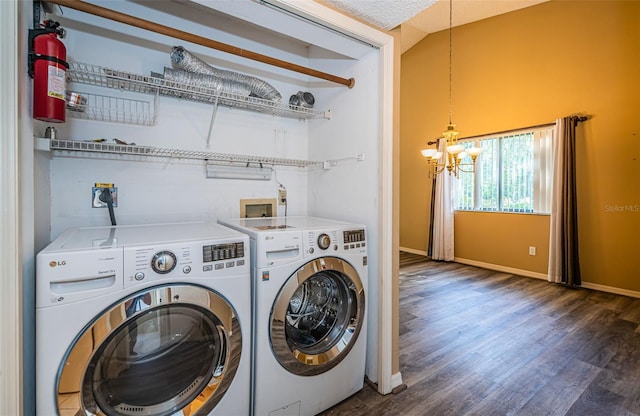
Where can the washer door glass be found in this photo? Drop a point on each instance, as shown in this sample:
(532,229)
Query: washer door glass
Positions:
(317,316)
(164,351)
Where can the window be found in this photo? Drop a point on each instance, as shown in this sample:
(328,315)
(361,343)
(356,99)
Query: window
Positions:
(513,173)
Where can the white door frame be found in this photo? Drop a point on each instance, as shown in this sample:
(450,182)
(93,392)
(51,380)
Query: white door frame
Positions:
(10,241)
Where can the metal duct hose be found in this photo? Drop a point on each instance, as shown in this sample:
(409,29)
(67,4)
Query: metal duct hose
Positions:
(185,60)
(210,82)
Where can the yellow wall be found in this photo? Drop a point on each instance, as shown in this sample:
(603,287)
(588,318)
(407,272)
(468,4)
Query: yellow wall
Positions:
(525,68)
(503,239)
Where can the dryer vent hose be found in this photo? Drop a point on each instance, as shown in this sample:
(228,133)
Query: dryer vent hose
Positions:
(185,60)
(204,81)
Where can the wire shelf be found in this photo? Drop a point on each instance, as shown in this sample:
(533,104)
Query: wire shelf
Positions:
(111,78)
(125,149)
(97,107)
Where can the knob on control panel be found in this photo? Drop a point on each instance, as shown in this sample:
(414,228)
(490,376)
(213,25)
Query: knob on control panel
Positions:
(324,241)
(163,262)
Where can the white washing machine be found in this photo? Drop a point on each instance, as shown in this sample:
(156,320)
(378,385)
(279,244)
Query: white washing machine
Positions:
(144,320)
(309,287)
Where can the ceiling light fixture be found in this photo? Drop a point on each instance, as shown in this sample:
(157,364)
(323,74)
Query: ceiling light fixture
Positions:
(454,153)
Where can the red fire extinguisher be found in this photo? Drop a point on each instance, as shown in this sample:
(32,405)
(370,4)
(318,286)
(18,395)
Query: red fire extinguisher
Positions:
(47,67)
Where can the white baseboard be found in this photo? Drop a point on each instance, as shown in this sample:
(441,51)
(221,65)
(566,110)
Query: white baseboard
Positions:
(610,289)
(499,268)
(396,380)
(413,251)
(543,276)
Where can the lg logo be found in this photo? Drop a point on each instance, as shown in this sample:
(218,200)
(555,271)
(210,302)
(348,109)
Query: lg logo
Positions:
(57,263)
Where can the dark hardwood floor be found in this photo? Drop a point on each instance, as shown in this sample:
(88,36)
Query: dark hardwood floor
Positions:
(479,342)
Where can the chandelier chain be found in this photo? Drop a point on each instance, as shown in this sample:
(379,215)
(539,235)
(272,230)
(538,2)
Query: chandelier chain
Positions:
(450,61)
(453,152)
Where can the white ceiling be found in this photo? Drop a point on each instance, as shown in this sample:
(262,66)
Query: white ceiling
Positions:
(418,18)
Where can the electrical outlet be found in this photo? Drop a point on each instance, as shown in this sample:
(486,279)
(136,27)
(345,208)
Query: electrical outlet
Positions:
(98,199)
(282,196)
(532,251)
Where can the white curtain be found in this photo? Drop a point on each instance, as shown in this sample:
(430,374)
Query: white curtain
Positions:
(555,272)
(443,214)
(564,263)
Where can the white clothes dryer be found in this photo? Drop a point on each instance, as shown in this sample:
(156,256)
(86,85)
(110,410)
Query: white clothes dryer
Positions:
(144,320)
(309,336)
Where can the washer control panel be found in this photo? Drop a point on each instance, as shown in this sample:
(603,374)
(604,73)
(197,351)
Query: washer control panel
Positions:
(324,241)
(185,260)
(163,262)
(333,241)
(354,239)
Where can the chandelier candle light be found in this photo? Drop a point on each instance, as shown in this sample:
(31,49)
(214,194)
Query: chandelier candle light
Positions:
(455,153)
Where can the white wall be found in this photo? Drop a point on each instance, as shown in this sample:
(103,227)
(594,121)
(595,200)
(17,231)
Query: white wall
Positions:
(349,191)
(161,190)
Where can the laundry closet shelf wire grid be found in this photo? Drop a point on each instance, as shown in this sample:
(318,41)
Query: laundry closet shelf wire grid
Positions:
(113,109)
(125,149)
(96,75)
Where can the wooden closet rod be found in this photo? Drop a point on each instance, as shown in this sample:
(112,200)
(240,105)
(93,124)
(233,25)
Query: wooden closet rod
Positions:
(189,37)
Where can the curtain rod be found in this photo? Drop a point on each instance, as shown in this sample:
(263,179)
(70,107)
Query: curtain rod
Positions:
(189,37)
(577,119)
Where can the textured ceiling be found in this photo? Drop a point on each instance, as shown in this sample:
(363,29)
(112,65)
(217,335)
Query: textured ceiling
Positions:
(418,18)
(385,14)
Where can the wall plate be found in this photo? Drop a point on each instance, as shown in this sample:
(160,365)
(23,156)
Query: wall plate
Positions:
(282,196)
(96,193)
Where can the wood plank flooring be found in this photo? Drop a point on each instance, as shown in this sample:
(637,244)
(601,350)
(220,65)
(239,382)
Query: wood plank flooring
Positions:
(479,342)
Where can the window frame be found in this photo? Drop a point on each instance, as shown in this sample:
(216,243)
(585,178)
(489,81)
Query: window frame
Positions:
(542,160)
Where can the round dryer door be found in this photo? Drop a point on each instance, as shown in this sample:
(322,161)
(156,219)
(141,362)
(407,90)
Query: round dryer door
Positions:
(317,316)
(160,351)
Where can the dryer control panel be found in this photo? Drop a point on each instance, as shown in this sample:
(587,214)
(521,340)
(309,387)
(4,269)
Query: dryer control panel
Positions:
(228,251)
(185,260)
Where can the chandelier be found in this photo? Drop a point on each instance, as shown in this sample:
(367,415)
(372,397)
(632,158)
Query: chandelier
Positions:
(455,154)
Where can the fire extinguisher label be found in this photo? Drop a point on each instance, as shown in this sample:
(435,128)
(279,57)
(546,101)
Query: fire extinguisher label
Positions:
(56,84)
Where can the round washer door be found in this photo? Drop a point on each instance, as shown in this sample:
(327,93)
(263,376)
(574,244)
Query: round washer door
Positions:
(317,316)
(156,352)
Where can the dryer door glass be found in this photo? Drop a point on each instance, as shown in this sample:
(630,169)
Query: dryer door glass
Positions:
(170,349)
(159,361)
(317,316)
